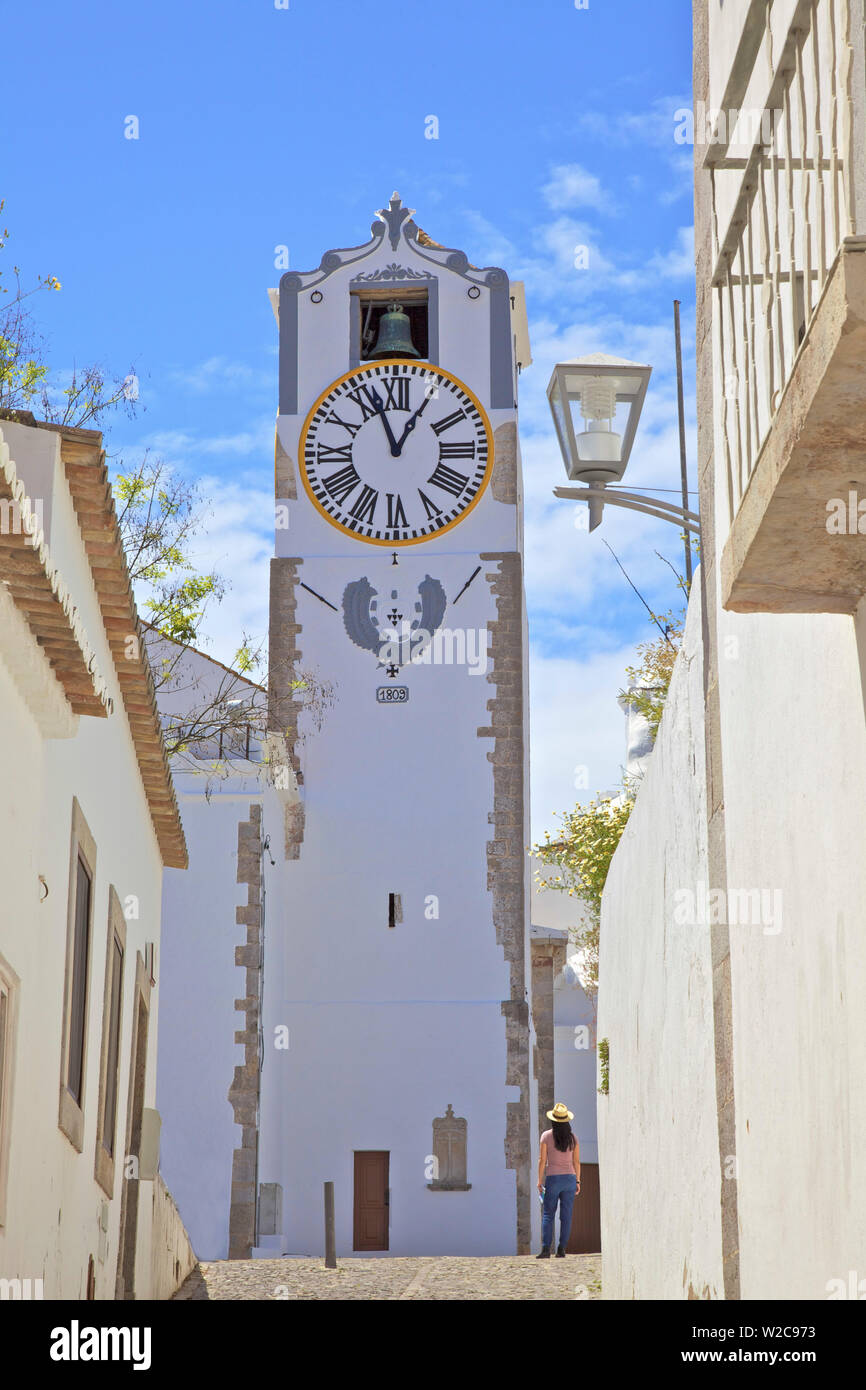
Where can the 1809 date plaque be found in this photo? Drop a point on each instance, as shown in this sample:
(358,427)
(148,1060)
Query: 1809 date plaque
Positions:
(392,694)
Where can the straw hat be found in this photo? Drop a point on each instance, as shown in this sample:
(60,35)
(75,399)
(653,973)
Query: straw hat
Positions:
(560,1112)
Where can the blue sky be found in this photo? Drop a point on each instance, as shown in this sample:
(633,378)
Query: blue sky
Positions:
(261,127)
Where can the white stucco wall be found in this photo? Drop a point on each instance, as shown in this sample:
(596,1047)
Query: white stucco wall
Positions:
(389,1026)
(658,1146)
(794,766)
(54,1205)
(197,1051)
(200,980)
(794,749)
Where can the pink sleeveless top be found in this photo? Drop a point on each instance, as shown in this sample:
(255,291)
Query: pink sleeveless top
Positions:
(557,1162)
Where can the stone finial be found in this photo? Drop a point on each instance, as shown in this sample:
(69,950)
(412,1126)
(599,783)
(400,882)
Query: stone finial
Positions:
(394,216)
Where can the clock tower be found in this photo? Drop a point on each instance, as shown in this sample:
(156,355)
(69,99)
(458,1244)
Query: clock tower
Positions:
(395,1015)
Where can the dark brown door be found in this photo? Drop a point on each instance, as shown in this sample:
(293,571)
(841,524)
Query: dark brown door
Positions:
(585,1237)
(371,1200)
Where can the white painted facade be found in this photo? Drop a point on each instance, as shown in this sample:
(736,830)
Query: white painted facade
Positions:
(201,981)
(658,1145)
(732,1134)
(55,1216)
(800,1038)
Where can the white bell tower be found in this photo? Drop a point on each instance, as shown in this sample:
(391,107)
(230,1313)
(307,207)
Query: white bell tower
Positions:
(396,957)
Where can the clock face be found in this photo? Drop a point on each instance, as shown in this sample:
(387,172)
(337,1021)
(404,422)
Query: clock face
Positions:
(396,452)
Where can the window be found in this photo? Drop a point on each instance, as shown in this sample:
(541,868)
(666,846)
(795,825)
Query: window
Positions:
(8,1005)
(80,950)
(113,1042)
(109,1070)
(73,1062)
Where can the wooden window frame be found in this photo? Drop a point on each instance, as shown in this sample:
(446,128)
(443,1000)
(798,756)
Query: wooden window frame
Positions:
(105,1160)
(9,985)
(70,1117)
(139,1051)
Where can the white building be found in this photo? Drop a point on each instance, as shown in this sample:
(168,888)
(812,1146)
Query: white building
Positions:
(88,818)
(402,974)
(382,1035)
(733,949)
(235,790)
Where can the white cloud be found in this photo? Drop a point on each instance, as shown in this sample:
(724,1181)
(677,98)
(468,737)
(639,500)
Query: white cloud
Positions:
(572,186)
(218,373)
(577,731)
(655,125)
(679,262)
(177,445)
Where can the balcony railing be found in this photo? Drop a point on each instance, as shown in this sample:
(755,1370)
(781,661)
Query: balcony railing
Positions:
(238,743)
(780,214)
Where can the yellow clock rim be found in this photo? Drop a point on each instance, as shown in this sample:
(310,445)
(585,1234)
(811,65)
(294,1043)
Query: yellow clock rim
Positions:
(387,362)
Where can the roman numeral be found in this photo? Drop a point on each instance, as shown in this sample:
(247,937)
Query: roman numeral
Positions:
(448,479)
(396,393)
(440,426)
(333,419)
(396,514)
(464,450)
(362,401)
(331,453)
(340,484)
(429,508)
(366,505)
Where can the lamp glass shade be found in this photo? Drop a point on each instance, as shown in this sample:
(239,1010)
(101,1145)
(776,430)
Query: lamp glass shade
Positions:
(587,396)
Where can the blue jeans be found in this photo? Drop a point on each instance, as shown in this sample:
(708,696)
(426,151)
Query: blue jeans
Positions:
(561,1188)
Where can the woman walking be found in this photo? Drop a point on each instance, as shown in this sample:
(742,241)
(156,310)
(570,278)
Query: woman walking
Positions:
(560,1158)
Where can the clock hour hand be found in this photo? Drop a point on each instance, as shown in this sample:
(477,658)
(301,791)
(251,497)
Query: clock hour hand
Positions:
(411,423)
(379,407)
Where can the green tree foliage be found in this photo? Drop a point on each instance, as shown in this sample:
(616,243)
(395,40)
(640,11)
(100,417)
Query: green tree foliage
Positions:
(581,853)
(650,679)
(582,850)
(160,515)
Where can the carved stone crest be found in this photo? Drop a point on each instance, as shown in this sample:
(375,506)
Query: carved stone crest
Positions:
(449,1151)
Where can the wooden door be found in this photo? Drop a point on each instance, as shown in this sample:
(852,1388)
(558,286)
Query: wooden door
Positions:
(585,1237)
(371,1200)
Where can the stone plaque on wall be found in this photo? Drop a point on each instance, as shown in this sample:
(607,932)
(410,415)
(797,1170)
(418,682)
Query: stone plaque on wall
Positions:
(449,1151)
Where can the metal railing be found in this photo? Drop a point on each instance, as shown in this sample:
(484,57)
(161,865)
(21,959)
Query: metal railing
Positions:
(242,742)
(786,218)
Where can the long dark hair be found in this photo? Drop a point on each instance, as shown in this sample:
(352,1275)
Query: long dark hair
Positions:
(562,1135)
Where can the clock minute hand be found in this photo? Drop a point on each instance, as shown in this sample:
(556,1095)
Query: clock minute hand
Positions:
(378,405)
(411,423)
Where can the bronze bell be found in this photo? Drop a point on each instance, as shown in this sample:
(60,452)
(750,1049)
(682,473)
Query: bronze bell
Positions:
(395,337)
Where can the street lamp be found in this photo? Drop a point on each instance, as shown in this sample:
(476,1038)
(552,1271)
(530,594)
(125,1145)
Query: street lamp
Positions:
(594,387)
(586,396)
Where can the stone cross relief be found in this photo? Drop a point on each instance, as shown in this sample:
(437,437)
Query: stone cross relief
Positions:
(449,1148)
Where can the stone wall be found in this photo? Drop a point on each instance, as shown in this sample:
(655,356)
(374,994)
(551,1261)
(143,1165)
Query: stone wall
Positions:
(283,656)
(244,1090)
(506,860)
(544,971)
(172,1256)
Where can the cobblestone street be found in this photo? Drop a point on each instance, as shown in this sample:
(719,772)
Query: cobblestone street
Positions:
(441,1278)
